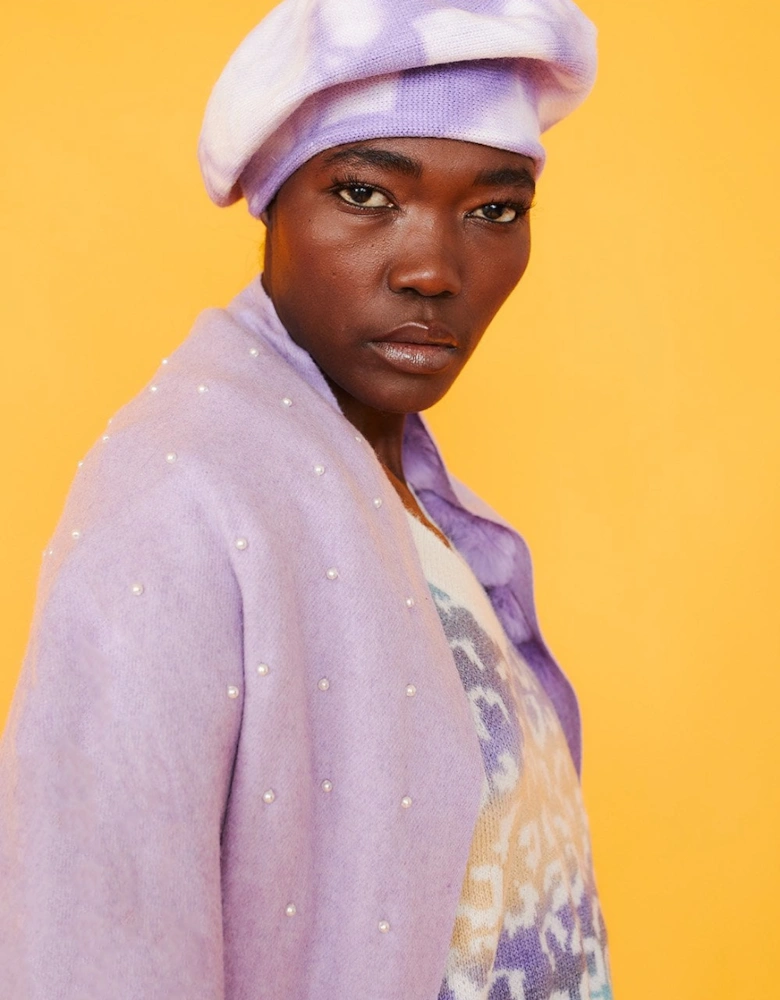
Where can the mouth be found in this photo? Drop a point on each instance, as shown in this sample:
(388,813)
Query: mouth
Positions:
(418,348)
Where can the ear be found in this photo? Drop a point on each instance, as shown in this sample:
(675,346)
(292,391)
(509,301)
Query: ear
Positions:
(266,216)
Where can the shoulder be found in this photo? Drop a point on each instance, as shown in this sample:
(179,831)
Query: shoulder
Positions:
(216,439)
(190,423)
(155,471)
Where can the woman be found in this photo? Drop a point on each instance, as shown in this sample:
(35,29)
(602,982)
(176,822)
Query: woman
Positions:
(287,726)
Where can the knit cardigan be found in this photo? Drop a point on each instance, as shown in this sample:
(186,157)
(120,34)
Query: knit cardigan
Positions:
(235,673)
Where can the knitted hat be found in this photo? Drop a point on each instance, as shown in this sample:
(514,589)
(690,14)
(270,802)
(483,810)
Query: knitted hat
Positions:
(319,73)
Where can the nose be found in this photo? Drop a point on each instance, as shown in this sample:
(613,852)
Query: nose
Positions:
(426,261)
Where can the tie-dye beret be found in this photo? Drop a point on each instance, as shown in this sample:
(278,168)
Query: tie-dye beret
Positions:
(318,73)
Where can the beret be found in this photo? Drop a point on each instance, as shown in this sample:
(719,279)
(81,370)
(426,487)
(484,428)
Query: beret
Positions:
(317,73)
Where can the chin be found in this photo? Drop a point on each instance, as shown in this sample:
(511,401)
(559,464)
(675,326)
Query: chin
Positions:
(388,392)
(411,400)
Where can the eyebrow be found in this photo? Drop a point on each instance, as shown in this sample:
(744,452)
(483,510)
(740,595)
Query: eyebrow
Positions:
(375,157)
(506,177)
(387,159)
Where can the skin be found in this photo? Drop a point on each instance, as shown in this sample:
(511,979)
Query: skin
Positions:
(373,235)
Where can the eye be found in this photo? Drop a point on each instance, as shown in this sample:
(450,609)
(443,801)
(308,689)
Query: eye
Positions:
(364,196)
(499,212)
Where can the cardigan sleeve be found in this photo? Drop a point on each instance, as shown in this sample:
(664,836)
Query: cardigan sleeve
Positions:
(116,761)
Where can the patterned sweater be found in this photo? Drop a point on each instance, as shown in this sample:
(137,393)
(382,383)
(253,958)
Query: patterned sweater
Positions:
(529,925)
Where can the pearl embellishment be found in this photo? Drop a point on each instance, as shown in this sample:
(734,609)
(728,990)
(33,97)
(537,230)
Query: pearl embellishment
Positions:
(377,502)
(287,401)
(358,437)
(232,691)
(332,574)
(410,602)
(75,534)
(406,801)
(202,389)
(290,910)
(263,669)
(81,463)
(241,543)
(323,684)
(319,470)
(269,796)
(137,589)
(384,926)
(327,786)
(254,351)
(106,437)
(165,361)
(171,456)
(152,388)
(411,690)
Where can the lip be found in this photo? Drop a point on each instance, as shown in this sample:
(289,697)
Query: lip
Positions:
(415,332)
(418,359)
(417,348)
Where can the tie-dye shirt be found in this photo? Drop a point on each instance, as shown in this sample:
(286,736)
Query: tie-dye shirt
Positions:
(528,925)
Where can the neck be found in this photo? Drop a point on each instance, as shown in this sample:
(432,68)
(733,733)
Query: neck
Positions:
(383,431)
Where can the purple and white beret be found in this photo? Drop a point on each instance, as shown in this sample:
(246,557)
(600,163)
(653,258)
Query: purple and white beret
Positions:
(318,73)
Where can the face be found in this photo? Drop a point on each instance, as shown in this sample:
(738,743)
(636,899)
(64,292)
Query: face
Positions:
(387,259)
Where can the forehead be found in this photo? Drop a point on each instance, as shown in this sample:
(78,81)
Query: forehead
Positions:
(418,158)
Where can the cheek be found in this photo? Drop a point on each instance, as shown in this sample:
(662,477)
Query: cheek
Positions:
(325,264)
(495,270)
(324,279)
(329,271)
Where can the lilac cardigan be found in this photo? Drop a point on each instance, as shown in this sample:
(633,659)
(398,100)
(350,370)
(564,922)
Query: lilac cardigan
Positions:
(234,675)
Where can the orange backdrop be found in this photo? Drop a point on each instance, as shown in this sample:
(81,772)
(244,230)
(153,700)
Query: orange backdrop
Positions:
(622,411)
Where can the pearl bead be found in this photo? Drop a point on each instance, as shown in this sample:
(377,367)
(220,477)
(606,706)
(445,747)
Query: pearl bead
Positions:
(384,926)
(269,796)
(358,437)
(263,669)
(410,602)
(81,463)
(110,419)
(202,389)
(327,786)
(137,589)
(290,910)
(411,690)
(165,361)
(51,553)
(254,351)
(75,534)
(171,457)
(152,388)
(377,502)
(106,437)
(287,401)
(406,801)
(241,543)
(319,470)
(232,691)
(332,574)
(323,684)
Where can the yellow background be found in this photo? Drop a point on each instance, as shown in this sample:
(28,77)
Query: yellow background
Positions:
(622,411)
